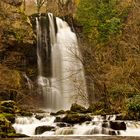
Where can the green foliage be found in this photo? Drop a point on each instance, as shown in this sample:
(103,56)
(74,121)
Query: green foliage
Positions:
(133,107)
(133,104)
(101,19)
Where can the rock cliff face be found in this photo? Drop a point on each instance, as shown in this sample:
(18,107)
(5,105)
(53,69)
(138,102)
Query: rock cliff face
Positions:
(17,50)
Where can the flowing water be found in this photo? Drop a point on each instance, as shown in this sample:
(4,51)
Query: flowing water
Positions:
(59,56)
(99,126)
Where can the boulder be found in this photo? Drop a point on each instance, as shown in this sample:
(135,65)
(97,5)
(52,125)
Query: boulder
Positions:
(39,117)
(105,124)
(5,127)
(8,107)
(117,125)
(10,117)
(62,124)
(8,95)
(78,108)
(25,113)
(41,129)
(10,104)
(60,112)
(58,119)
(76,118)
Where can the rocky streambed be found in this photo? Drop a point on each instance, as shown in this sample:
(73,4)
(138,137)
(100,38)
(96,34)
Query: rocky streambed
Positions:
(75,125)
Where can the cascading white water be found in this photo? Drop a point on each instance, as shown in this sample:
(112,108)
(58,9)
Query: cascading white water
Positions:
(72,75)
(29,82)
(67,82)
(28,125)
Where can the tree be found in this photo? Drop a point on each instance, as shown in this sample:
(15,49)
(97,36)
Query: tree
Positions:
(39,4)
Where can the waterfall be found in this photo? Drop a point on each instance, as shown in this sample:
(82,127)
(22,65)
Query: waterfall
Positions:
(29,82)
(65,82)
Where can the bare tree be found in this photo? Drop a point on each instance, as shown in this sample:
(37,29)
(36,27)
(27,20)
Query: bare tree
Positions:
(39,4)
(24,5)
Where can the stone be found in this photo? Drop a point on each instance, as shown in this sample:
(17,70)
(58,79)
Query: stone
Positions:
(41,129)
(77,108)
(9,103)
(5,127)
(105,124)
(117,125)
(58,119)
(62,124)
(76,118)
(10,117)
(25,113)
(39,117)
(8,107)
(60,112)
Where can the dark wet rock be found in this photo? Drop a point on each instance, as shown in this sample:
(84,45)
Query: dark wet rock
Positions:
(105,124)
(76,118)
(39,117)
(112,132)
(119,117)
(10,104)
(5,127)
(70,112)
(78,108)
(8,107)
(88,122)
(60,112)
(62,124)
(8,95)
(42,129)
(10,117)
(17,135)
(25,113)
(58,119)
(118,125)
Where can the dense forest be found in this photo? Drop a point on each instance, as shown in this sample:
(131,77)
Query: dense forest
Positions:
(108,33)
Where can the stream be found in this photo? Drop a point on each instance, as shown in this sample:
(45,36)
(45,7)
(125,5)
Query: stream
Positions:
(47,125)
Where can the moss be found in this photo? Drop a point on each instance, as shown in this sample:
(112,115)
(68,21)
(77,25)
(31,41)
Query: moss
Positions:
(25,113)
(76,118)
(8,107)
(5,126)
(60,112)
(77,108)
(10,117)
(10,104)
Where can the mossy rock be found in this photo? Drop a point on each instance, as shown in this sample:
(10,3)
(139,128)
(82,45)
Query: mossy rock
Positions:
(78,108)
(8,107)
(39,117)
(60,112)
(76,118)
(95,106)
(8,103)
(25,113)
(10,117)
(42,129)
(5,127)
(7,110)
(12,135)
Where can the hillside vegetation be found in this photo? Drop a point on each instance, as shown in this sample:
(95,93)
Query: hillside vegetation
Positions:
(109,38)
(112,56)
